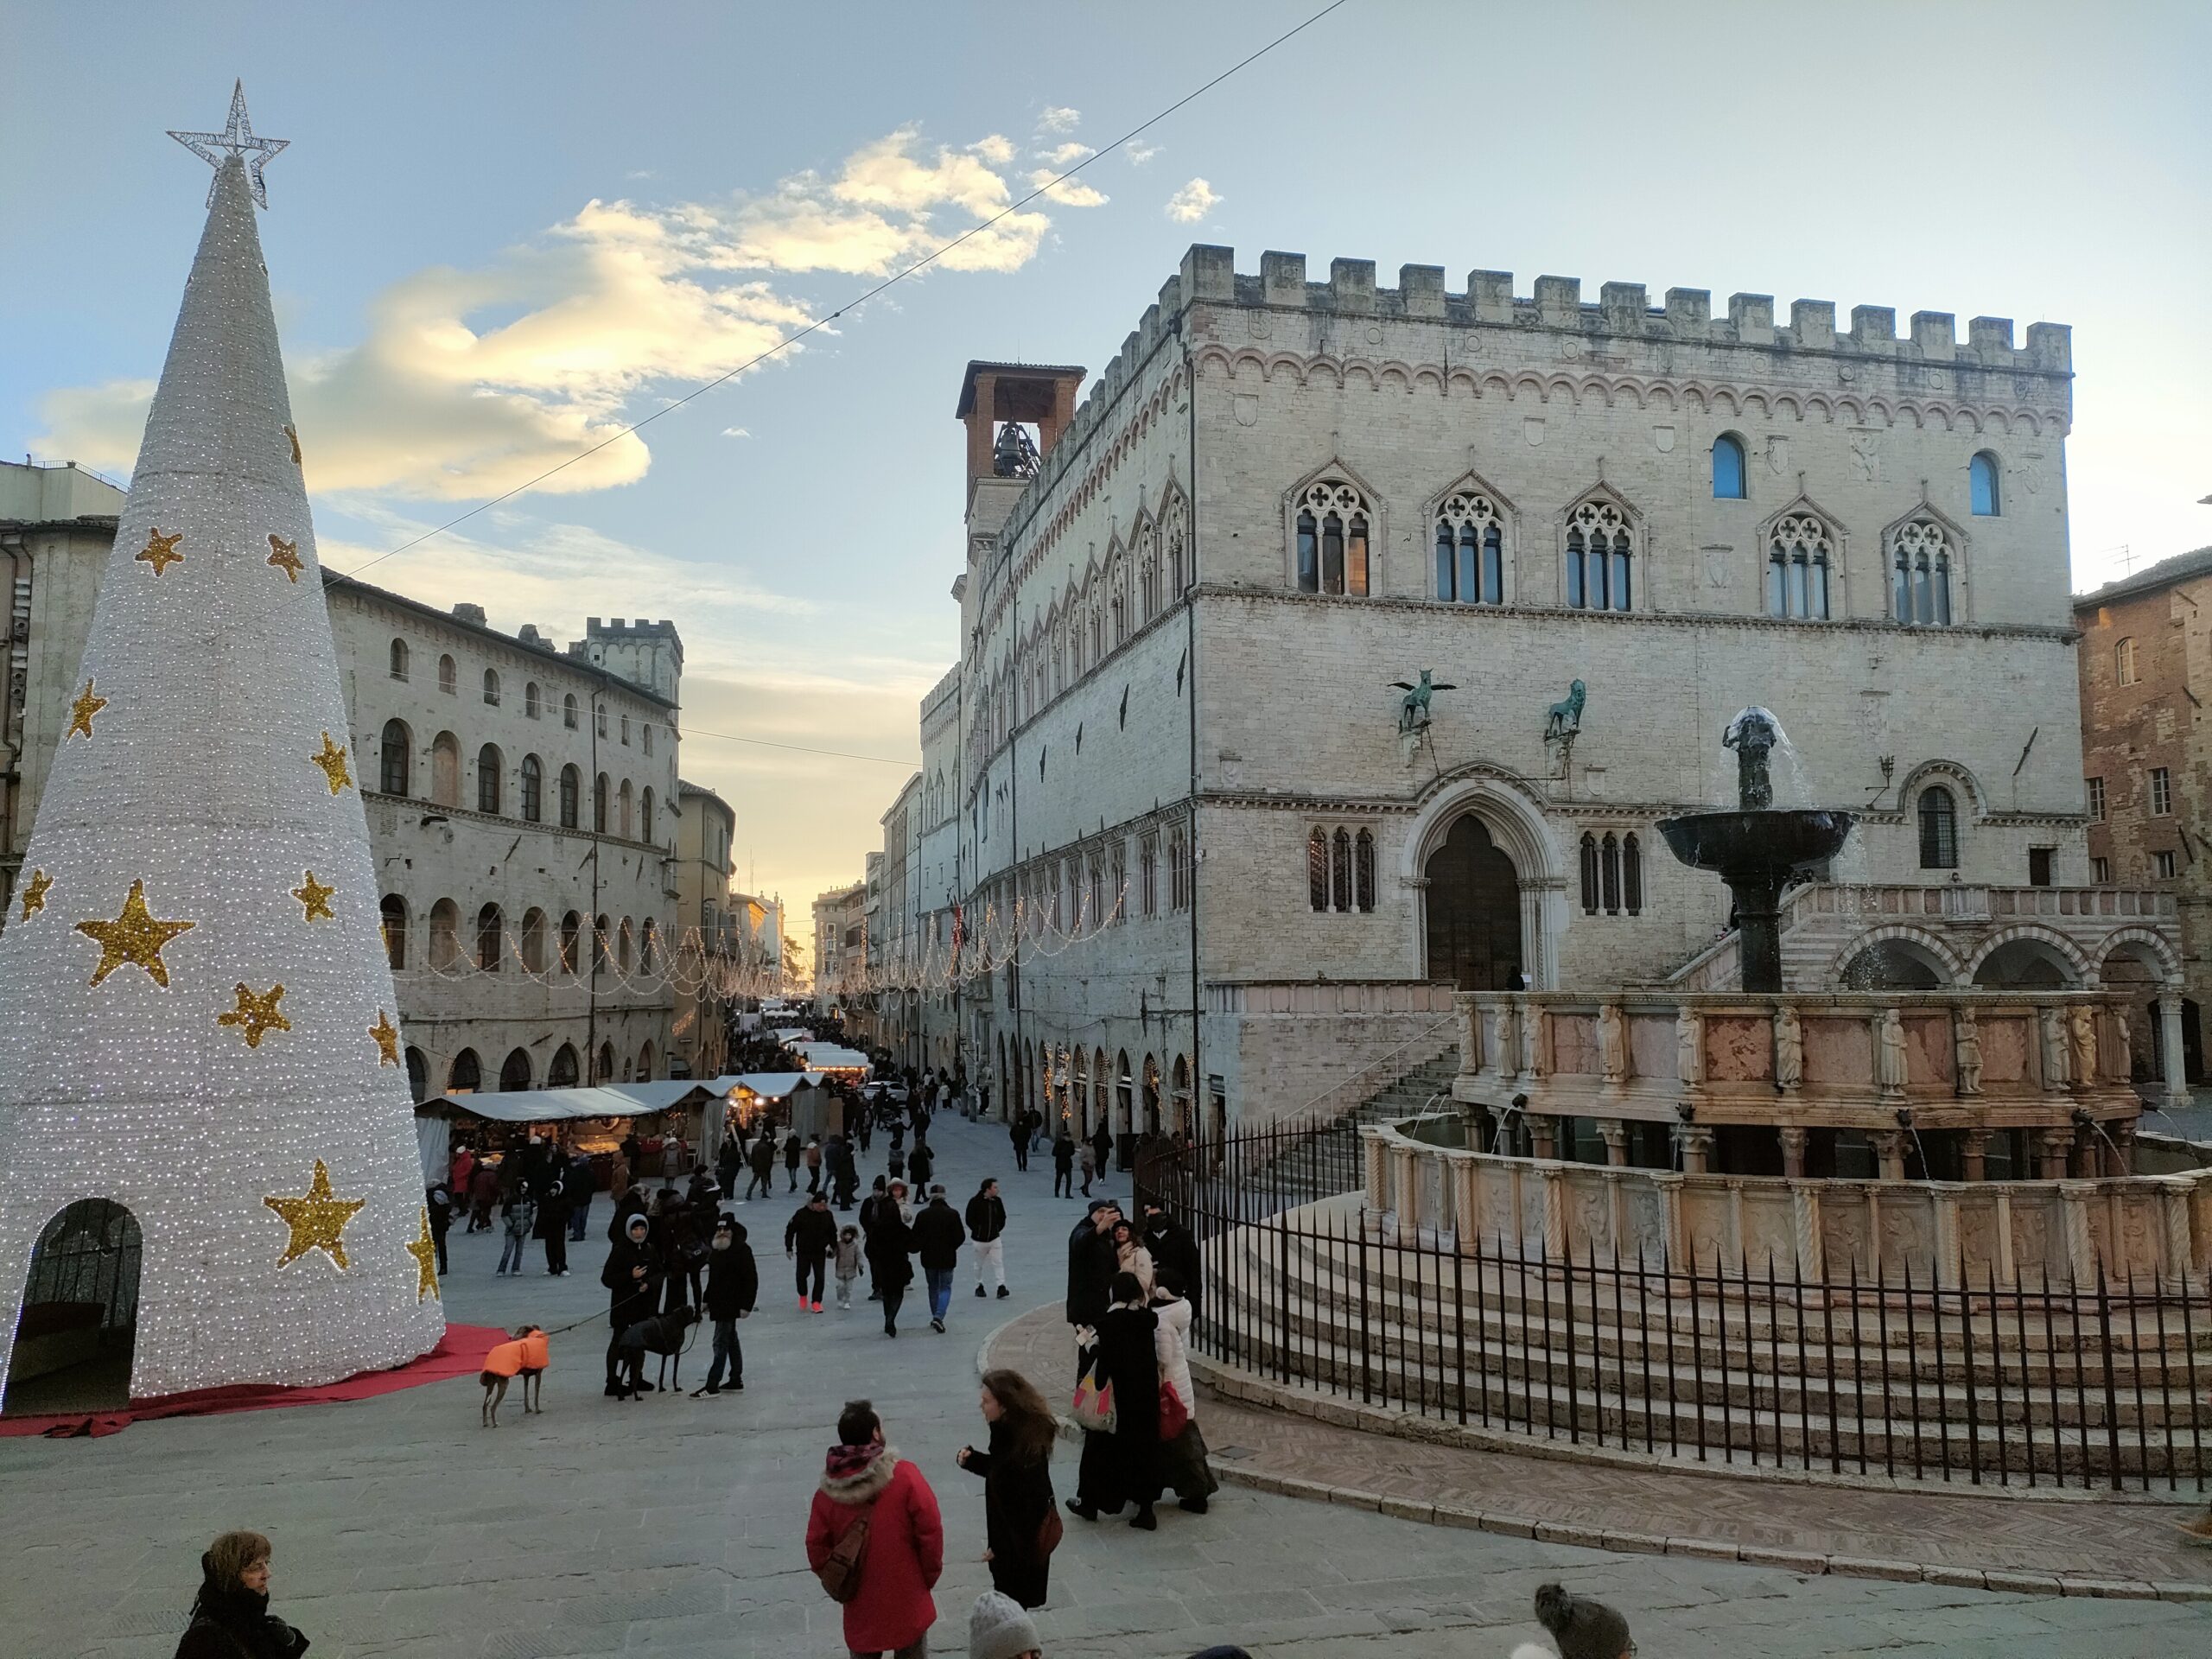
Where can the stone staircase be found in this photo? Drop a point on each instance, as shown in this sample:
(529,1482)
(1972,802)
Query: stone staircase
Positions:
(1838,1382)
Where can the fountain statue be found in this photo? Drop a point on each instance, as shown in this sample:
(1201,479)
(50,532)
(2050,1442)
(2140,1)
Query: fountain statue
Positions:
(1758,848)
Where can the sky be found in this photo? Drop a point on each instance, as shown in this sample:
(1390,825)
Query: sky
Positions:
(503,234)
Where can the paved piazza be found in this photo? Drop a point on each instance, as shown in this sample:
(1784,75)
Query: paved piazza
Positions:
(673,1527)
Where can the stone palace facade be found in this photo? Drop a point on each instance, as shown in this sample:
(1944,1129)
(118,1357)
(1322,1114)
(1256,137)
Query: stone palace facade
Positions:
(515,791)
(1240,889)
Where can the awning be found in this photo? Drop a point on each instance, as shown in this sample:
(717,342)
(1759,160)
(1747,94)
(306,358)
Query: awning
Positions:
(561,1105)
(830,1057)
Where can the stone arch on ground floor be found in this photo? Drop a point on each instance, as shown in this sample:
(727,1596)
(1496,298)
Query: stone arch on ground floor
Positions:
(1885,958)
(2027,957)
(1473,829)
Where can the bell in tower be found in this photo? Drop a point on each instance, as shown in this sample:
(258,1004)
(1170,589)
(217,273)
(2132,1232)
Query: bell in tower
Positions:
(1013,455)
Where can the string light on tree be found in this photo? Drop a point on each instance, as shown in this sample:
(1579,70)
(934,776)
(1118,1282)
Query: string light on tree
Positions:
(188,1042)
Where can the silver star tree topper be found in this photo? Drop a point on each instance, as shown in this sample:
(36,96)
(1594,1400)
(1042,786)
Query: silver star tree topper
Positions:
(237,138)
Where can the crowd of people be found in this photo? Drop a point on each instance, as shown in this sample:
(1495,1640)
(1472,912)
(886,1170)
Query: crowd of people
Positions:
(681,1264)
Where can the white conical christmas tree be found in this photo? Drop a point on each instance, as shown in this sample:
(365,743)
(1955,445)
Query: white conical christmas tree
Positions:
(196,1018)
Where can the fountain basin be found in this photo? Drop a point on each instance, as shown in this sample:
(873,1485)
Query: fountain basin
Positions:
(1757,846)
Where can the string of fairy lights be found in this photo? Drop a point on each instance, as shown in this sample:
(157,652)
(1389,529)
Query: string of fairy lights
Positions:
(694,965)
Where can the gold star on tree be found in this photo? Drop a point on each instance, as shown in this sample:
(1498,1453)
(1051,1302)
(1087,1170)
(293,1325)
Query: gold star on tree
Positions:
(160,550)
(81,713)
(333,762)
(316,1220)
(256,1015)
(387,1036)
(134,937)
(285,556)
(424,1249)
(35,894)
(315,898)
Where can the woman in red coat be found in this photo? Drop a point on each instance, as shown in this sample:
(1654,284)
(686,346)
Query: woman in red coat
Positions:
(861,1476)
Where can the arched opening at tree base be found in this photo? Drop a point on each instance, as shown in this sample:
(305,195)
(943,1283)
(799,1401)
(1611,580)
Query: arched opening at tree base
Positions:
(75,1334)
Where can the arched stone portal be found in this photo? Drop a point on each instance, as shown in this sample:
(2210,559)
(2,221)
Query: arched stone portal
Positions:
(1474,910)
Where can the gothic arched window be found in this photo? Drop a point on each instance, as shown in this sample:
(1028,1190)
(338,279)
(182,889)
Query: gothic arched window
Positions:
(1600,558)
(393,913)
(448,676)
(1332,530)
(571,787)
(490,938)
(1939,829)
(1920,570)
(1632,875)
(1589,875)
(1798,551)
(1984,485)
(1362,870)
(395,759)
(488,765)
(1469,550)
(572,934)
(1727,468)
(399,659)
(533,789)
(1340,869)
(492,687)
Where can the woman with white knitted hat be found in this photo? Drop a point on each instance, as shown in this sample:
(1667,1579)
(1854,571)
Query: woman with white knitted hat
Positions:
(998,1628)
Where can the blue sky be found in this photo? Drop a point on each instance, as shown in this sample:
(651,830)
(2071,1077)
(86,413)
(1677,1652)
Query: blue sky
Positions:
(501,229)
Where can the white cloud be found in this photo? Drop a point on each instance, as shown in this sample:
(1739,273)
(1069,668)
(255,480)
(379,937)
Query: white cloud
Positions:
(1071,193)
(471,383)
(1062,156)
(1139,152)
(735,432)
(1058,118)
(1192,202)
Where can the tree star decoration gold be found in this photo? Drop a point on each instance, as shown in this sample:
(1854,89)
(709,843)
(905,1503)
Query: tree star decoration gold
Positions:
(425,1249)
(317,1220)
(236,141)
(333,762)
(256,1014)
(35,891)
(387,1036)
(197,788)
(135,936)
(160,550)
(314,899)
(81,713)
(285,556)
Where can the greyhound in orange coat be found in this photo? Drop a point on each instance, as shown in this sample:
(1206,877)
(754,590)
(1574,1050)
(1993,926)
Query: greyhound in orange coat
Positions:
(526,1356)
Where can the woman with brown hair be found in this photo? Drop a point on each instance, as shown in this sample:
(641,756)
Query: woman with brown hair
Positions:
(231,1617)
(1021,1523)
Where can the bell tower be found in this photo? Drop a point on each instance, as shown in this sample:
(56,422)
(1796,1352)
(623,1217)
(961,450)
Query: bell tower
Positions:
(998,403)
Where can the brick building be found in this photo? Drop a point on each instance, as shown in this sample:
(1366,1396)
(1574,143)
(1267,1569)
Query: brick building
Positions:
(2146,754)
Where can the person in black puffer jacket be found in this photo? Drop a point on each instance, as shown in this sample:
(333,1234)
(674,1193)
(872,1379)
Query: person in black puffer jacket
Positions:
(231,1617)
(632,1292)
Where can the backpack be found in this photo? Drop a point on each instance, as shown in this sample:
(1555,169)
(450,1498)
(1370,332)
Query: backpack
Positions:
(840,1571)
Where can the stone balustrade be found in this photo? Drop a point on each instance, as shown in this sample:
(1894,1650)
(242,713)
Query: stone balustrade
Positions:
(2029,1233)
(1884,1064)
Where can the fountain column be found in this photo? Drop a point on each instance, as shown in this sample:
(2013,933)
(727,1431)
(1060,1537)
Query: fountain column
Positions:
(1697,1150)
(1614,1132)
(1973,1155)
(2056,1143)
(2170,1049)
(1888,1151)
(1793,1151)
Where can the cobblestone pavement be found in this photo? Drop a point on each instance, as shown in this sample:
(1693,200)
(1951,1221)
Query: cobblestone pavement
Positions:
(672,1527)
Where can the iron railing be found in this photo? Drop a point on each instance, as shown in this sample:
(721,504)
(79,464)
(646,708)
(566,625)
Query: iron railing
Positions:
(1749,1366)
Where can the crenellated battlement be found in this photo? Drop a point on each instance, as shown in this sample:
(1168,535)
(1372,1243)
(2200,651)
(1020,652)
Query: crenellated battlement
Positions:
(1622,310)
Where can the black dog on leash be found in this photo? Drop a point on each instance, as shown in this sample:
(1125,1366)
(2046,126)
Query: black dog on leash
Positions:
(663,1334)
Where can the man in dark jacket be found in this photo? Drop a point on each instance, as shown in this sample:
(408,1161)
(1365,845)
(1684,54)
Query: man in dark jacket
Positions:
(1018,1132)
(437,1201)
(732,1287)
(1092,1263)
(1102,1145)
(793,1153)
(937,1238)
(809,1239)
(920,1166)
(729,1163)
(1063,1164)
(553,1226)
(890,1242)
(1171,1246)
(844,1174)
(986,1228)
(632,1292)
(762,1161)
